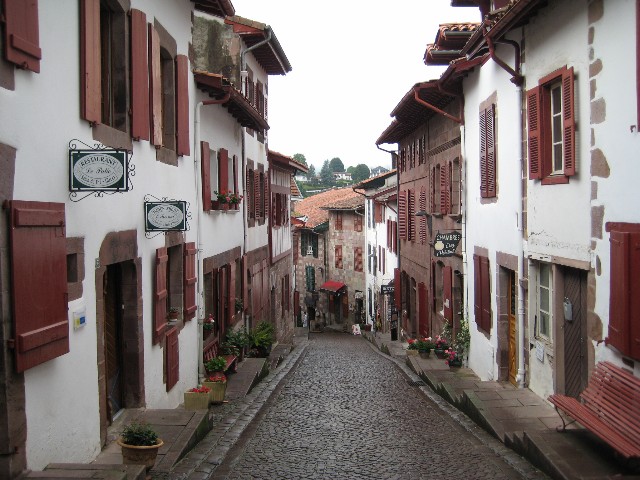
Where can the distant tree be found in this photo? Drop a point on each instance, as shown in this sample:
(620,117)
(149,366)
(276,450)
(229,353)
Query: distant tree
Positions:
(311,174)
(326,175)
(300,158)
(336,165)
(360,173)
(350,170)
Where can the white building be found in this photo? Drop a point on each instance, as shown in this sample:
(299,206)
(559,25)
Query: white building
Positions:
(93,272)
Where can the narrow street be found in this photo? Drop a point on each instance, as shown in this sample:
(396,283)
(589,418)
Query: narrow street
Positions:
(347,412)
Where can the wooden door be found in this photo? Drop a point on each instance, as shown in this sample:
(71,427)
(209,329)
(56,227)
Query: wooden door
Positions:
(113,340)
(511,308)
(575,348)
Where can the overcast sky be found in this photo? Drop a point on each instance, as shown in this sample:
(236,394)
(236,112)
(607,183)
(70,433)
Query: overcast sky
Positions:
(352,62)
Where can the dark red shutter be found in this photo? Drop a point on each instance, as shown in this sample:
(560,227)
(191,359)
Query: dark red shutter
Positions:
(155,87)
(266,197)
(423,219)
(190,276)
(182,105)
(432,191)
(619,292)
(634,295)
(245,283)
(477,291)
(397,294)
(139,77)
(256,194)
(265,290)
(235,174)
(357,259)
(90,70)
(483,153)
(485,280)
(568,123)
(21,34)
(160,297)
(491,152)
(447,298)
(402,214)
(534,130)
(38,282)
(172,350)
(232,288)
(423,310)
(444,191)
(411,210)
(205,169)
(223,170)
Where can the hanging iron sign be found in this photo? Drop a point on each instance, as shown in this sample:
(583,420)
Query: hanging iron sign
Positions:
(98,170)
(445,244)
(165,216)
(387,289)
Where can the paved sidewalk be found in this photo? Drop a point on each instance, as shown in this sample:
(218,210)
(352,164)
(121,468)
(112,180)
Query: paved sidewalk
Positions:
(520,419)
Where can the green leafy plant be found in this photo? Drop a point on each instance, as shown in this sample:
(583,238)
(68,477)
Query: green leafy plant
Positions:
(139,434)
(216,364)
(263,335)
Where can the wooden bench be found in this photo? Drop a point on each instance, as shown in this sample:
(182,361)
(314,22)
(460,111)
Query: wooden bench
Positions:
(211,351)
(610,408)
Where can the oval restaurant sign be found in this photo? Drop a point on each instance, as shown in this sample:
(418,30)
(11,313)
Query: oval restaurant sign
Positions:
(98,170)
(165,216)
(446,243)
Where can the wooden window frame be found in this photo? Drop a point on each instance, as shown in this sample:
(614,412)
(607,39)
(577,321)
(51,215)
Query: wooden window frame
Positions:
(539,128)
(482,292)
(338,257)
(549,291)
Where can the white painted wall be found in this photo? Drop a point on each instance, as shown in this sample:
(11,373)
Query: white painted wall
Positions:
(618,193)
(558,216)
(494,225)
(39,119)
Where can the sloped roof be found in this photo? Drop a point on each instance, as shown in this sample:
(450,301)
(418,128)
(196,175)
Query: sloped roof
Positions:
(450,39)
(217,8)
(316,207)
(286,161)
(295,191)
(269,55)
(377,180)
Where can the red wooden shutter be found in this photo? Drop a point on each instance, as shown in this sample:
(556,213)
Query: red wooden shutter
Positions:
(357,259)
(190,276)
(256,194)
(265,290)
(235,174)
(338,256)
(485,280)
(21,34)
(491,153)
(223,170)
(402,214)
(432,191)
(205,169)
(568,123)
(477,291)
(619,292)
(396,288)
(483,154)
(338,220)
(423,310)
(447,298)
(139,77)
(266,197)
(534,130)
(444,191)
(232,289)
(38,282)
(245,283)
(411,210)
(172,350)
(423,219)
(155,86)
(182,105)
(160,297)
(90,70)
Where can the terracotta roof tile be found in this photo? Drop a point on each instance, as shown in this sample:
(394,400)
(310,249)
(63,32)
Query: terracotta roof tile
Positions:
(316,207)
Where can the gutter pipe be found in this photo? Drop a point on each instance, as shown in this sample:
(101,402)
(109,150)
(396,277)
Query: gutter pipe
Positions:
(197,161)
(416,97)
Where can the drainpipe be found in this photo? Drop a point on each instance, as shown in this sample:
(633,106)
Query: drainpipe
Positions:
(197,160)
(516,76)
(243,62)
(416,92)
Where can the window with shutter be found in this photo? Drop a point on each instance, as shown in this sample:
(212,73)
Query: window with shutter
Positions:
(338,256)
(182,105)
(357,223)
(411,211)
(139,76)
(551,128)
(155,87)
(172,356)
(314,244)
(482,292)
(205,169)
(338,221)
(357,259)
(402,214)
(437,198)
(422,235)
(160,295)
(189,281)
(21,34)
(223,170)
(624,290)
(38,282)
(310,277)
(487,152)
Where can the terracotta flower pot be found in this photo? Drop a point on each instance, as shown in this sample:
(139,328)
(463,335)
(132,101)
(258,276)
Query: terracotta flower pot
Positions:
(196,400)
(140,455)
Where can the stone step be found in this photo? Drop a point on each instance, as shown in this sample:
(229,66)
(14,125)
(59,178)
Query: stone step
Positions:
(90,471)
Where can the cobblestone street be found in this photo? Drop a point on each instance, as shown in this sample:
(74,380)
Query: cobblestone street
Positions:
(347,412)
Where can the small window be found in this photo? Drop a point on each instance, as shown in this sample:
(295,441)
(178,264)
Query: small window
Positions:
(543,324)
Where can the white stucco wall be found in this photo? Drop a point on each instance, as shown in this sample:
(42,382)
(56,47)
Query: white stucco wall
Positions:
(39,118)
(492,225)
(558,216)
(618,193)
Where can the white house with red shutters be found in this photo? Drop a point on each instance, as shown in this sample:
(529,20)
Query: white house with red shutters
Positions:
(549,120)
(113,154)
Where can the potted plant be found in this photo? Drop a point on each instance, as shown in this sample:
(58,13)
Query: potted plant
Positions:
(217,383)
(441,344)
(453,358)
(237,340)
(412,349)
(424,346)
(208,325)
(261,339)
(197,398)
(140,444)
(173,313)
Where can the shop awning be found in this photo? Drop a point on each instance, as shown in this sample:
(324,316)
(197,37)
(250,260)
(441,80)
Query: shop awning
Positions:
(332,286)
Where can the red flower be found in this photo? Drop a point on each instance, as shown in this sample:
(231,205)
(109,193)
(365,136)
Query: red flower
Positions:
(200,389)
(217,377)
